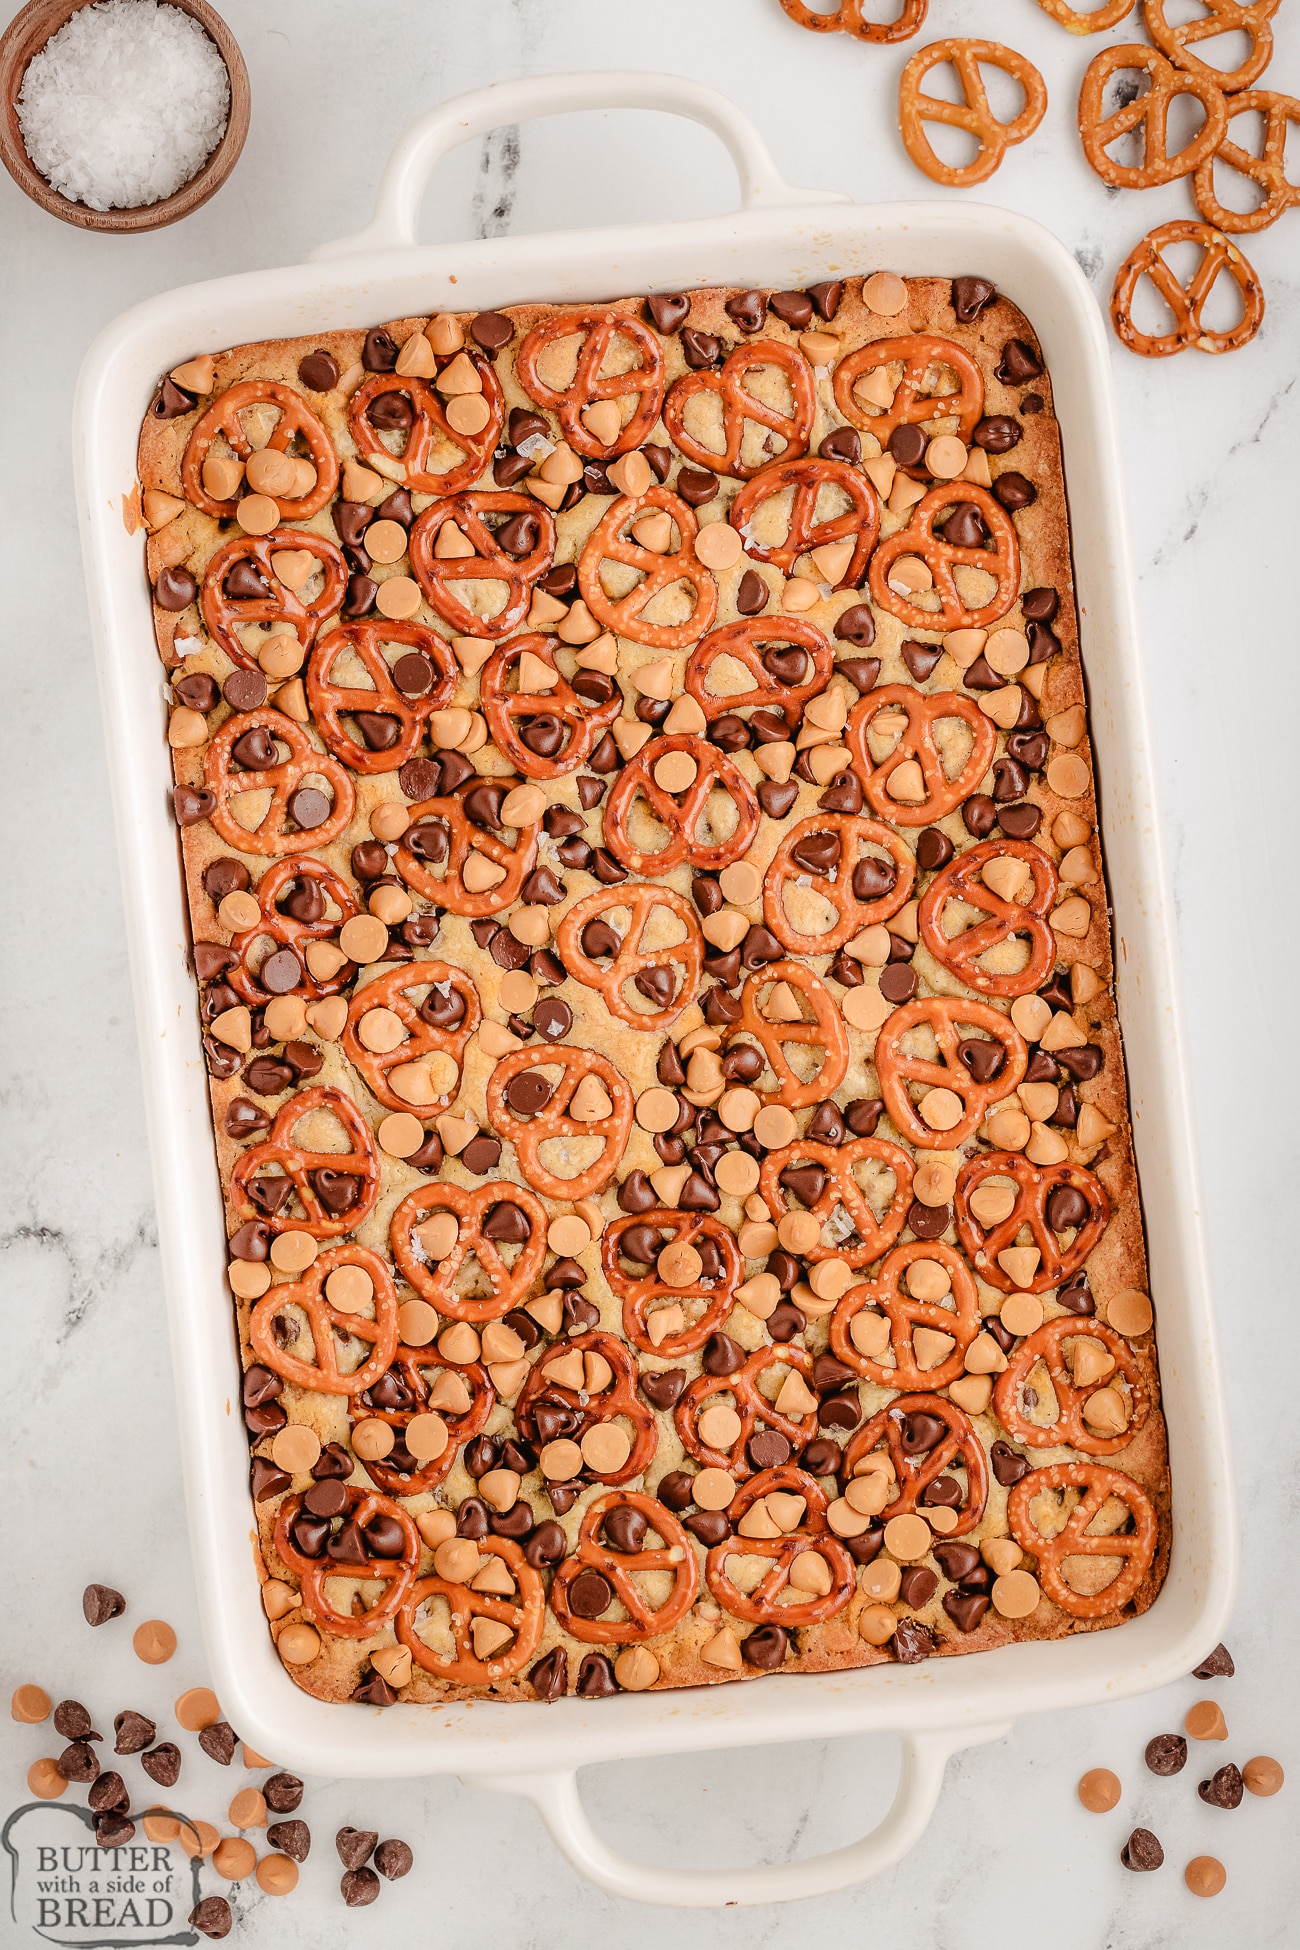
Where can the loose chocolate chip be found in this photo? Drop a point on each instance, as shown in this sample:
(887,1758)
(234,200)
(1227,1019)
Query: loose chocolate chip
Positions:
(1019,363)
(596,1678)
(907,444)
(359,1887)
(1224,1789)
(78,1761)
(1014,491)
(998,433)
(1141,1851)
(175,589)
(73,1721)
(283,1792)
(99,1603)
(1008,1467)
(751,595)
(133,1732)
(393,1860)
(292,1838)
(1217,1666)
(355,1846)
(921,659)
(911,1642)
(1167,1753)
(663,1390)
(212,1917)
(109,1794)
(971,296)
(163,1763)
(218,1742)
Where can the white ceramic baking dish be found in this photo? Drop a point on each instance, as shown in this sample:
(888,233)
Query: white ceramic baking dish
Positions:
(779,238)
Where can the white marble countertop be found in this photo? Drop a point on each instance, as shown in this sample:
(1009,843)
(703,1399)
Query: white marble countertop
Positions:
(91,1474)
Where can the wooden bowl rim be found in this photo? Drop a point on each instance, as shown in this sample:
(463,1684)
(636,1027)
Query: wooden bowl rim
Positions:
(25,36)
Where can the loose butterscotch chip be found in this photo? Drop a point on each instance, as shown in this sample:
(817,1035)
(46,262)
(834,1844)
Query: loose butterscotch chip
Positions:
(277,1875)
(713,1489)
(1099,1790)
(1129,1313)
(1205,1721)
(1205,1875)
(154,1642)
(30,1705)
(196,1709)
(907,1538)
(45,1781)
(234,1858)
(161,1828)
(198,1838)
(1262,1775)
(296,1449)
(1016,1594)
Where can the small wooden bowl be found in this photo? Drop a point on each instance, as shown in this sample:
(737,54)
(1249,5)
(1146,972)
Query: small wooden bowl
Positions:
(27,34)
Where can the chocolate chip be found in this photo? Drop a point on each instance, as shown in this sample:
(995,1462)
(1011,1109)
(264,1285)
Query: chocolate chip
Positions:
(318,372)
(663,1390)
(355,1846)
(863,1115)
(911,1642)
(1019,363)
(700,349)
(697,486)
(108,1793)
(873,878)
(549,1678)
(212,1917)
(73,1721)
(667,309)
(198,691)
(1008,1467)
(1224,1789)
(360,599)
(971,296)
(175,589)
(998,433)
(776,798)
(309,807)
(393,1860)
(979,815)
(843,444)
(282,1793)
(965,1608)
(898,982)
(218,1742)
(163,1763)
(379,351)
(1142,1851)
(170,402)
(625,1528)
(292,1838)
(921,659)
(481,1155)
(709,1526)
(1167,1753)
(590,1594)
(1014,491)
(748,309)
(491,330)
(359,1887)
(766,1647)
(917,1586)
(769,1449)
(596,1678)
(99,1603)
(907,444)
(375,1691)
(1217,1666)
(751,595)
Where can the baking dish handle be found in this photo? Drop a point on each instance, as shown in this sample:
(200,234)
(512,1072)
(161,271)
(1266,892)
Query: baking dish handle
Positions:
(559,1803)
(426,142)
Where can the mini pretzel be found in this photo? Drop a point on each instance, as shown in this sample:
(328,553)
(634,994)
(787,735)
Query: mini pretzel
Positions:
(330,701)
(280,1148)
(961,1447)
(861,521)
(1095,1484)
(941,557)
(597,330)
(1098,131)
(644,1620)
(924,712)
(745,641)
(1266,170)
(435,1282)
(1068,1428)
(856,836)
(504,708)
(972,113)
(848,15)
(286,932)
(639,1295)
(270,835)
(296,417)
(825,1032)
(223,614)
(752,1406)
(942,1015)
(429,424)
(1220,17)
(961,1321)
(1034,1184)
(528,1135)
(839,1162)
(618,1399)
(762,1605)
(682,815)
(463,836)
(1186,304)
(739,406)
(1099,21)
(410,1364)
(524,1616)
(625,615)
(394,1574)
(683,959)
(395,991)
(961,953)
(330,1327)
(911,406)
(489,562)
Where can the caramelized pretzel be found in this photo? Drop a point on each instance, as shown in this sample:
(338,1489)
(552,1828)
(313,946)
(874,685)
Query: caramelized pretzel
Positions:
(509,1284)
(330,701)
(1034,1185)
(625,614)
(761,1606)
(408,1365)
(861,520)
(825,1032)
(839,1162)
(1068,1428)
(752,1406)
(1220,17)
(913,1473)
(917,353)
(972,113)
(924,712)
(1266,170)
(296,417)
(322,1375)
(1098,131)
(848,15)
(644,1619)
(745,641)
(961,1321)
(643,903)
(639,1295)
(1099,21)
(1186,304)
(855,836)
(395,1574)
(582,722)
(1095,1484)
(270,836)
(279,1148)
(896,1070)
(585,1411)
(682,813)
(449,889)
(394,991)
(1002,562)
(739,406)
(528,1135)
(285,932)
(524,1616)
(222,614)
(960,953)
(489,562)
(430,421)
(597,330)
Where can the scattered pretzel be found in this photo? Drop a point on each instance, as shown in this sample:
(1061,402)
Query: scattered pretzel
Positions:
(919,354)
(223,615)
(1220,17)
(437,576)
(296,418)
(330,701)
(1097,131)
(941,1015)
(740,407)
(884,1294)
(762,1605)
(825,1032)
(746,641)
(523,1615)
(286,932)
(409,1366)
(972,113)
(463,838)
(597,330)
(1266,170)
(1099,21)
(504,709)
(856,836)
(875,1235)
(331,1328)
(1034,1184)
(848,16)
(914,1474)
(924,712)
(641,1293)
(509,1283)
(860,522)
(1136,1547)
(395,1574)
(681,814)
(683,959)
(752,1406)
(1068,1426)
(428,426)
(272,834)
(555,1121)
(298,1163)
(395,991)
(645,1620)
(625,615)
(962,953)
(618,1399)
(1186,304)
(1001,561)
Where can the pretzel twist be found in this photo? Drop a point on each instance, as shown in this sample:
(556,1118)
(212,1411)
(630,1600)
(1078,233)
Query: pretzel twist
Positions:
(1220,17)
(1034,1185)
(286,932)
(394,991)
(430,425)
(280,1148)
(503,708)
(807,478)
(962,953)
(924,711)
(914,1474)
(436,575)
(271,836)
(296,418)
(752,1406)
(625,615)
(1097,131)
(684,959)
(395,1574)
(848,16)
(825,1032)
(597,330)
(322,1375)
(856,835)
(644,1619)
(524,1616)
(330,701)
(896,1069)
(640,1294)
(918,353)
(972,113)
(1266,170)
(941,557)
(1099,21)
(1069,1428)
(961,1321)
(682,813)
(509,1284)
(740,407)
(448,889)
(528,1135)
(619,1399)
(840,1163)
(409,1364)
(1219,254)
(744,641)
(223,614)
(1136,1548)
(762,1605)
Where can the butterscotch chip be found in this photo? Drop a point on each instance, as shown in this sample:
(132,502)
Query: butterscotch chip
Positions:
(258,514)
(941,1109)
(277,1875)
(568,1235)
(946,457)
(830,1278)
(907,1538)
(1205,1721)
(605,1448)
(30,1705)
(741,882)
(371,1439)
(45,1781)
(735,1173)
(876,1624)
(636,1668)
(1262,1775)
(934,1183)
(1001,1554)
(298,1645)
(198,1838)
(1009,1130)
(775,1127)
(1099,1790)
(161,1828)
(1129,1313)
(881,1579)
(713,1489)
(196,1709)
(799,1232)
(234,1858)
(561,1460)
(884,292)
(1021,1313)
(1205,1875)
(718,545)
(426,1437)
(154,1642)
(1016,1594)
(293,1251)
(723,1650)
(400,1134)
(296,1448)
(248,1278)
(657,1110)
(363,939)
(719,1426)
(869,1333)
(679,1265)
(1068,775)
(278,1599)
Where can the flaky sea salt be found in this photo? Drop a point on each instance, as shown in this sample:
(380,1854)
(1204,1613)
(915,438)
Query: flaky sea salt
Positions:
(124,104)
